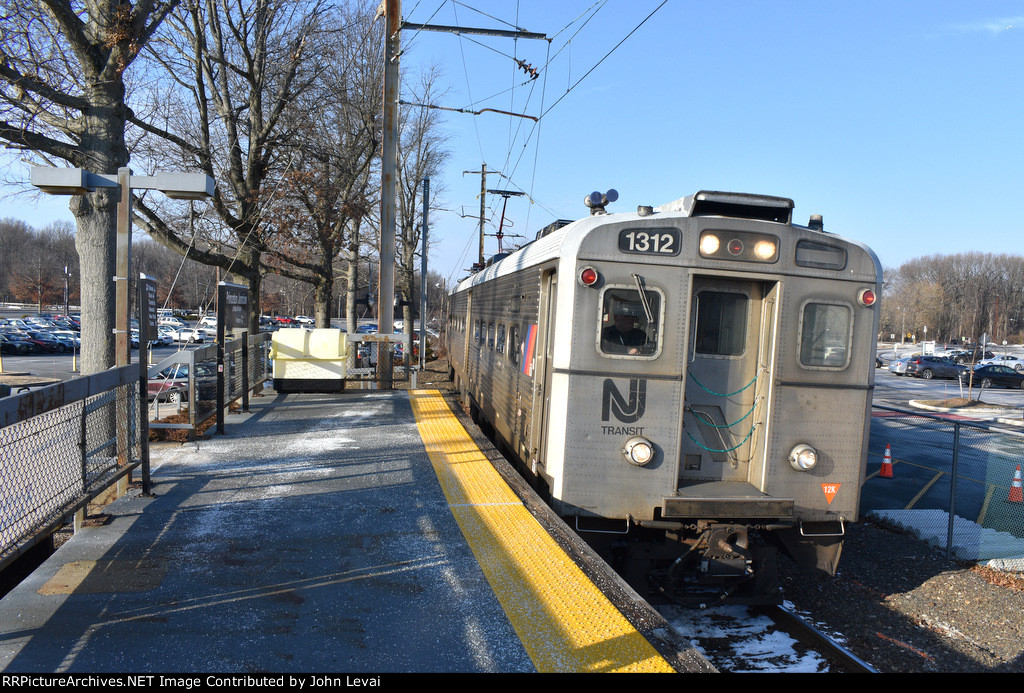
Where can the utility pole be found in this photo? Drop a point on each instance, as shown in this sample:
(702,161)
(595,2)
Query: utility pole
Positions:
(423,276)
(392,10)
(483,197)
(483,209)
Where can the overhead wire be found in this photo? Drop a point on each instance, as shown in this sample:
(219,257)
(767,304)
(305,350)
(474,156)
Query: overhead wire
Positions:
(511,164)
(605,57)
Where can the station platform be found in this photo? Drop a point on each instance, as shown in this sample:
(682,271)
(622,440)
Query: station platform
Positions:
(363,532)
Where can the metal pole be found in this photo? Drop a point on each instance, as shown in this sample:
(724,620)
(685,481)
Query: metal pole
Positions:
(389,184)
(483,196)
(122,343)
(423,277)
(952,488)
(146,294)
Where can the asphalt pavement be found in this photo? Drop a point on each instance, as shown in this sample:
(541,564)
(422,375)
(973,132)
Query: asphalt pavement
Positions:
(312,537)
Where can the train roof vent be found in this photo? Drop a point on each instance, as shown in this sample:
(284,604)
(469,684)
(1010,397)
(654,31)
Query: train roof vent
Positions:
(710,203)
(552,227)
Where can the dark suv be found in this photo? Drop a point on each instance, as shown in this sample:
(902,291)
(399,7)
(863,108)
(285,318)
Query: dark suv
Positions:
(928,367)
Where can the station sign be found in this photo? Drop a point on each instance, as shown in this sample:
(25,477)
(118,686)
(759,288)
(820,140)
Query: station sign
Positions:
(147,309)
(232,307)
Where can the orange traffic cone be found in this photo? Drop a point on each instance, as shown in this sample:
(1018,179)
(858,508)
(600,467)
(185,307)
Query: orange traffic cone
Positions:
(886,472)
(1016,491)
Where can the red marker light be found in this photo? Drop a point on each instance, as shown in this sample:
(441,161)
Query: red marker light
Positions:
(735,247)
(588,276)
(866,297)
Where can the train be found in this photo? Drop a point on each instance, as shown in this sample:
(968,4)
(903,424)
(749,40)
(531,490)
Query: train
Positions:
(688,385)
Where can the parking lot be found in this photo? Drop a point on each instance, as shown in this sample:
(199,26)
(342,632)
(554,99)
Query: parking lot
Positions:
(898,391)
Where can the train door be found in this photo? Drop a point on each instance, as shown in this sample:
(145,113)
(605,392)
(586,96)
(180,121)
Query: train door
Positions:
(727,377)
(542,363)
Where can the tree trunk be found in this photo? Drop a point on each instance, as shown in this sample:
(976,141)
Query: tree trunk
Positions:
(323,295)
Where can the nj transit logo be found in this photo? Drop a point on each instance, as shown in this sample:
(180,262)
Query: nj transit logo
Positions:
(626,411)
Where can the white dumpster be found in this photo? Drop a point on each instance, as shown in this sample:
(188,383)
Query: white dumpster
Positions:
(308,360)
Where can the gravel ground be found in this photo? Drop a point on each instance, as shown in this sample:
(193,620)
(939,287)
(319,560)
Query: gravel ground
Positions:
(902,606)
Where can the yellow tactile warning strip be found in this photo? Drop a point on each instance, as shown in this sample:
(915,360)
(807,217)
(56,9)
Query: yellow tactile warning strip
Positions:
(565,623)
(81,577)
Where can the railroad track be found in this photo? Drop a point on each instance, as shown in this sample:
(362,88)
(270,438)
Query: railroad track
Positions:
(823,643)
(766,639)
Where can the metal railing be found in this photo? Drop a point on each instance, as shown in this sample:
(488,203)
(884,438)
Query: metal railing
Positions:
(63,445)
(370,348)
(196,393)
(953,481)
(60,447)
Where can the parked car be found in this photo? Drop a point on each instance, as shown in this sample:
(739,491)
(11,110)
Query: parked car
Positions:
(899,366)
(929,367)
(47,342)
(1014,362)
(998,376)
(171,384)
(188,334)
(208,321)
(10,344)
(304,320)
(172,322)
(975,356)
(162,339)
(69,341)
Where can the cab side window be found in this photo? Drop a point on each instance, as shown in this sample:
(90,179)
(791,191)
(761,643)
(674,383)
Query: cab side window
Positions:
(630,322)
(825,333)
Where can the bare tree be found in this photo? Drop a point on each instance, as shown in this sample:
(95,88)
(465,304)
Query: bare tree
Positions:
(63,96)
(230,72)
(14,236)
(331,192)
(422,154)
(956,297)
(38,276)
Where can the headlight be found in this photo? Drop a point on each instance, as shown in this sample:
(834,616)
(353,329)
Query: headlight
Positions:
(638,451)
(803,457)
(709,244)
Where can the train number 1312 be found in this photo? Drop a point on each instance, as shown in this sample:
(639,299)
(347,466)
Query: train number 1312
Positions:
(653,241)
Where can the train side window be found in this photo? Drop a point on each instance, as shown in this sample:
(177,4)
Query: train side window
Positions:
(477,334)
(490,335)
(825,333)
(628,326)
(721,323)
(499,340)
(514,349)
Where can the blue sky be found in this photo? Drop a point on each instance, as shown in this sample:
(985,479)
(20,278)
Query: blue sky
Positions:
(902,123)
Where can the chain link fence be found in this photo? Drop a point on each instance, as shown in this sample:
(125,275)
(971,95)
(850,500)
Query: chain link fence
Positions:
(61,447)
(183,388)
(954,482)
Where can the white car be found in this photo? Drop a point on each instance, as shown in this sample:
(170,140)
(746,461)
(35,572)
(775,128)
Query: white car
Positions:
(304,320)
(1014,362)
(188,334)
(209,321)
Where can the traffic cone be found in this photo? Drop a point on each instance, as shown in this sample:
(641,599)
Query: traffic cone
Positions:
(1016,491)
(886,472)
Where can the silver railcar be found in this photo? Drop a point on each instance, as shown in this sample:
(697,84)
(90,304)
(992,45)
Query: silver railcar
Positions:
(699,372)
